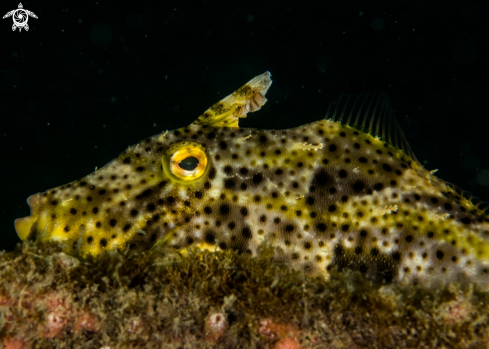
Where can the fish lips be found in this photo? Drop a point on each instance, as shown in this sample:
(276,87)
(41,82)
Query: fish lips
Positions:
(23,226)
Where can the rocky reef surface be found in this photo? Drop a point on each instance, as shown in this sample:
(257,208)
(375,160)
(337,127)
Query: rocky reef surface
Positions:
(221,300)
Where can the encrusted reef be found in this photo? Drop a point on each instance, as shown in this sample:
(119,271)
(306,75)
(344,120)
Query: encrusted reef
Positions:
(221,300)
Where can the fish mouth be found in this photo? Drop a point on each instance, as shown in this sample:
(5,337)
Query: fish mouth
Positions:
(23,226)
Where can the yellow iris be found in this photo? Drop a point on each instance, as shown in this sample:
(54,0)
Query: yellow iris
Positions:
(185,162)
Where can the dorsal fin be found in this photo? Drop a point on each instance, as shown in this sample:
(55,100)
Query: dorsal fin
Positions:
(370,113)
(248,98)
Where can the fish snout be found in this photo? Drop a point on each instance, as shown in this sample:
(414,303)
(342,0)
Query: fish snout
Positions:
(34,201)
(23,226)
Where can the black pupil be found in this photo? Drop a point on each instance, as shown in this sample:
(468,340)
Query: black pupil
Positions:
(189,163)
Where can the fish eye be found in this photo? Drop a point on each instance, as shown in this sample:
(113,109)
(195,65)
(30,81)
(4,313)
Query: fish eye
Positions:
(185,162)
(189,164)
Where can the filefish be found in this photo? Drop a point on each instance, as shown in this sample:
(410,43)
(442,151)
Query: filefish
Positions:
(344,192)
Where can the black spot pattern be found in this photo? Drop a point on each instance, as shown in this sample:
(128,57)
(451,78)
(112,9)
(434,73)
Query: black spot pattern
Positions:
(265,185)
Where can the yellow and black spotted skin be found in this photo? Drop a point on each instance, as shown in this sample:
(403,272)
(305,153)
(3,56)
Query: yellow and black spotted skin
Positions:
(327,195)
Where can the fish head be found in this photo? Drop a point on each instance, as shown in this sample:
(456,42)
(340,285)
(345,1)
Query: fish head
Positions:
(158,190)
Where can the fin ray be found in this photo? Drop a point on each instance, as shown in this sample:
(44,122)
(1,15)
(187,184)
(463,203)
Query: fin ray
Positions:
(371,113)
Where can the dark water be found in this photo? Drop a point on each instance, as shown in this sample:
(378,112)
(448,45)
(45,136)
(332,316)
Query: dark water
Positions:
(87,80)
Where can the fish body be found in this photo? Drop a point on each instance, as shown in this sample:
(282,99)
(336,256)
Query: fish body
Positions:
(344,192)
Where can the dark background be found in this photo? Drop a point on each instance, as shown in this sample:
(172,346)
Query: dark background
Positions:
(90,78)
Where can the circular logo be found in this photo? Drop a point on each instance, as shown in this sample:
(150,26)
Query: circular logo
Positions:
(20,17)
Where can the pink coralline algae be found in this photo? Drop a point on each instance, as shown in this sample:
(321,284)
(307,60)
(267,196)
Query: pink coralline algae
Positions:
(215,326)
(286,334)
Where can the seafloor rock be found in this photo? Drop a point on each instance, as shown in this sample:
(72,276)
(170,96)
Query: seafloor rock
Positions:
(221,300)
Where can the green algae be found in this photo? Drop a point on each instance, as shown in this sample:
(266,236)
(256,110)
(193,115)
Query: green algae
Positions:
(163,300)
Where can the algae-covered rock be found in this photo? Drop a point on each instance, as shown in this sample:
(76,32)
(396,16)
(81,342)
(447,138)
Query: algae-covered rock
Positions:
(220,300)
